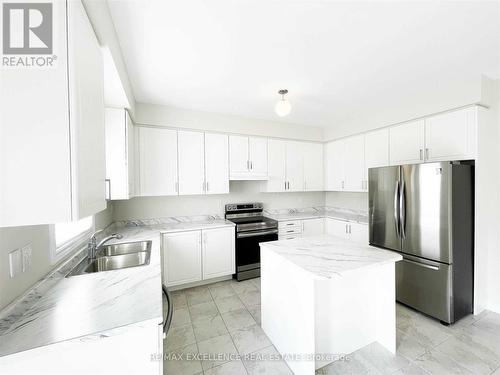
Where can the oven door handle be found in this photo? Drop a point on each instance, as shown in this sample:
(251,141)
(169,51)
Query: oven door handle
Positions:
(256,234)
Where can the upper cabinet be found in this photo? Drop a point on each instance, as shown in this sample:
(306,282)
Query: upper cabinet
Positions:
(407,143)
(345,164)
(451,135)
(217,163)
(287,166)
(52,152)
(447,136)
(120,154)
(157,161)
(247,158)
(377,148)
(191,162)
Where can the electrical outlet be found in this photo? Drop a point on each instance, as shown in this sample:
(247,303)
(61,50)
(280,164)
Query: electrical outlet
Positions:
(15,262)
(26,254)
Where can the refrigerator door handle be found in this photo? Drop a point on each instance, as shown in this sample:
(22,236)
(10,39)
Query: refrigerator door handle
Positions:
(396,209)
(402,209)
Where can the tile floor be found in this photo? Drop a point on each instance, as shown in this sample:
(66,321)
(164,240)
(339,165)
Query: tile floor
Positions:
(225,318)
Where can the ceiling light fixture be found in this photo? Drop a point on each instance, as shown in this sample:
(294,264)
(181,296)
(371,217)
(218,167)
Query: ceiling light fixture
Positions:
(283,106)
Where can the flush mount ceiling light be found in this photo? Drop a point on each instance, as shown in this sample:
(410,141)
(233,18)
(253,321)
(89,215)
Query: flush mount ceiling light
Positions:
(283,106)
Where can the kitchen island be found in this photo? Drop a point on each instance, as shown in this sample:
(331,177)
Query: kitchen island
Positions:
(324,297)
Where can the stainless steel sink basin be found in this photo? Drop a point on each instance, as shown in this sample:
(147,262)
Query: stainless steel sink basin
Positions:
(123,248)
(115,257)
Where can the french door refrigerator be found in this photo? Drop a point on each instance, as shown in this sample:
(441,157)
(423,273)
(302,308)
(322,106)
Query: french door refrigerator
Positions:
(426,212)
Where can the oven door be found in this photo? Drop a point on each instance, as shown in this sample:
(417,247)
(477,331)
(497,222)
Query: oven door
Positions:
(248,252)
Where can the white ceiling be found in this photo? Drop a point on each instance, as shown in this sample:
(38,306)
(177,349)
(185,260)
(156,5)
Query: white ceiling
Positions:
(335,58)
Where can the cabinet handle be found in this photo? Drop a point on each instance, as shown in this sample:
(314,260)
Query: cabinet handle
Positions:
(251,165)
(346,229)
(426,154)
(350,229)
(285,185)
(207,187)
(421,156)
(342,184)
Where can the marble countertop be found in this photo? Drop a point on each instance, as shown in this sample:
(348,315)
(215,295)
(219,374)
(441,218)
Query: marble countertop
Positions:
(319,212)
(328,256)
(88,304)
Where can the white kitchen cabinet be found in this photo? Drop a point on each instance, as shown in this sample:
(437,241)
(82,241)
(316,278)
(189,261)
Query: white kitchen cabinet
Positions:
(191,162)
(376,151)
(218,252)
(312,227)
(52,152)
(406,143)
(119,154)
(338,228)
(294,166)
(198,255)
(247,158)
(358,233)
(216,163)
(354,163)
(158,161)
(182,257)
(451,135)
(276,166)
(334,165)
(313,166)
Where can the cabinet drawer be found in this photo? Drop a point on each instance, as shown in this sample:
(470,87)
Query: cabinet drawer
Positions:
(290,230)
(290,223)
(288,237)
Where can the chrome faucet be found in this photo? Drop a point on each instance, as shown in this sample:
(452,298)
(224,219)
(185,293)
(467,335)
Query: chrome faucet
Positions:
(93,245)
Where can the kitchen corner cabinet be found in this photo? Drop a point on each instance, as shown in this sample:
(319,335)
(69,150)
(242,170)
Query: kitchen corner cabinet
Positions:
(157,161)
(407,143)
(345,164)
(313,166)
(376,151)
(313,227)
(198,255)
(247,158)
(52,152)
(120,154)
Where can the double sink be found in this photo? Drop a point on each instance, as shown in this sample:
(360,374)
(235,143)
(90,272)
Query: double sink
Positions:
(115,257)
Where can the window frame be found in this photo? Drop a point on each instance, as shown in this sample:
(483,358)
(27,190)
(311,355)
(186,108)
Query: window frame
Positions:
(57,253)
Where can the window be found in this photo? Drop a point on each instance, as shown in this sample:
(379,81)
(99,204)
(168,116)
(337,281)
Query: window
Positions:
(69,236)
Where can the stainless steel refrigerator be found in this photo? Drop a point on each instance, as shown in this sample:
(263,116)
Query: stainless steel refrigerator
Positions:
(426,212)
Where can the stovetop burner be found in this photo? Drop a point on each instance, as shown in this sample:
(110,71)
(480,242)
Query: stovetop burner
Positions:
(248,217)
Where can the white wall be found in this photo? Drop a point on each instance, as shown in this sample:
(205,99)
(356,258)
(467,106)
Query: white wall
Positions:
(440,98)
(149,114)
(240,192)
(37,236)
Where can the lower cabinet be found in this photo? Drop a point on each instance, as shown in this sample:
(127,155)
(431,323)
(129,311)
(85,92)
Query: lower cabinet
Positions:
(197,255)
(347,230)
(312,227)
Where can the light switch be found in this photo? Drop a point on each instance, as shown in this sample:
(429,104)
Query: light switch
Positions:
(15,262)
(26,254)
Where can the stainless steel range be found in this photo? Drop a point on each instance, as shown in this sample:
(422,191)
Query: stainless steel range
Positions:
(252,228)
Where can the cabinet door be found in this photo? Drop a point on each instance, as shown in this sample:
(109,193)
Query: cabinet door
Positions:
(216,163)
(130,155)
(191,162)
(313,166)
(238,155)
(451,136)
(406,143)
(358,233)
(181,257)
(158,161)
(312,227)
(258,156)
(116,153)
(354,163)
(218,252)
(294,166)
(334,165)
(86,110)
(276,166)
(337,228)
(376,151)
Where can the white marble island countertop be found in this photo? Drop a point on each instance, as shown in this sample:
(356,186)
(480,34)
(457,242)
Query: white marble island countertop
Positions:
(88,304)
(327,256)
